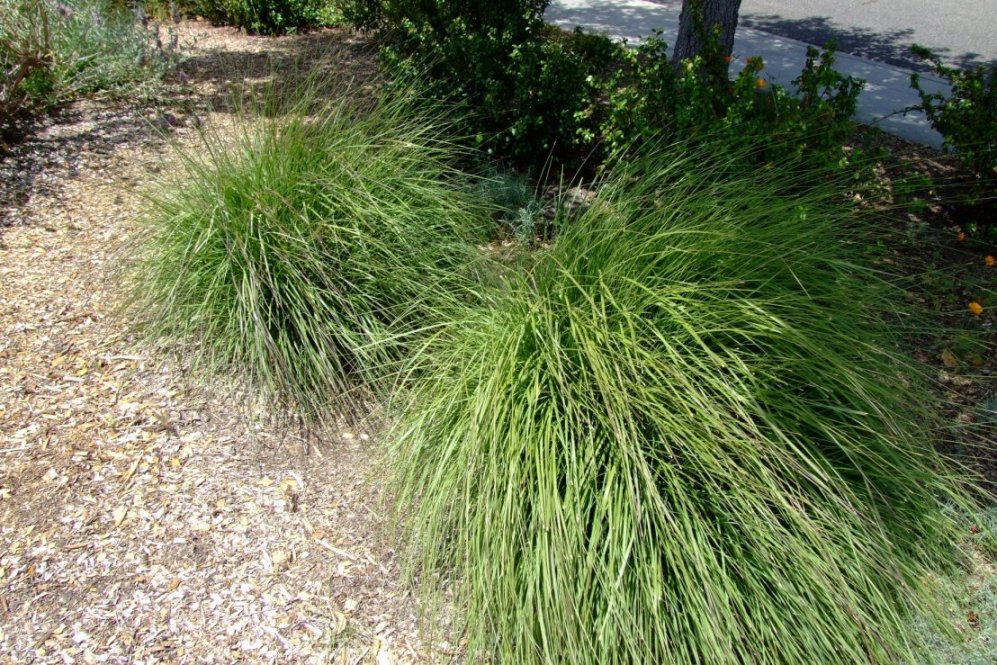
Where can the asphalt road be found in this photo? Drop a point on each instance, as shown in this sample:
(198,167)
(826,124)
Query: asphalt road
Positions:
(962,32)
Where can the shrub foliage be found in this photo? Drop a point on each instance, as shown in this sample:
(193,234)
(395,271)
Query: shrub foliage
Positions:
(685,435)
(537,92)
(256,17)
(269,17)
(51,52)
(965,117)
(493,56)
(648,98)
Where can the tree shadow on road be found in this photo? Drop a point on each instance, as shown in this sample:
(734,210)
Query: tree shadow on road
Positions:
(891,47)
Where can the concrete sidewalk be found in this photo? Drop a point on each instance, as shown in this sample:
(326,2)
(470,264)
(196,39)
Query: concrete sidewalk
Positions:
(887,89)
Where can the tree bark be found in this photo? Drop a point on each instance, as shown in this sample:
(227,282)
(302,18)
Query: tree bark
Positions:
(722,13)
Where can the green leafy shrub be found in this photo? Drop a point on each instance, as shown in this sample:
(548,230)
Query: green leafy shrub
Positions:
(51,52)
(539,117)
(260,17)
(25,54)
(273,17)
(684,435)
(304,249)
(523,86)
(647,98)
(99,46)
(965,118)
(536,92)
(440,21)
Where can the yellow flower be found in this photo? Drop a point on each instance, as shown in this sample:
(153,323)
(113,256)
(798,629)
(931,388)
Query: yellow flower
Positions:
(976,308)
(989,261)
(760,83)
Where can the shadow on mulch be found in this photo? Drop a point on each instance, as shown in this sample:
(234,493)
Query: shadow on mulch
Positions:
(42,151)
(329,55)
(45,150)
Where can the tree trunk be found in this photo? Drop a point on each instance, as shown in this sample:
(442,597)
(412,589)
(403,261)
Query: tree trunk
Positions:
(698,19)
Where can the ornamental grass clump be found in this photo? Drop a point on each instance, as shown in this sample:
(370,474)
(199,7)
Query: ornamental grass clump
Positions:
(304,248)
(684,435)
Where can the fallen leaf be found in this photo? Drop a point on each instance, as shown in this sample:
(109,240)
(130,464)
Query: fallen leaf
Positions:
(384,656)
(281,560)
(119,515)
(949,359)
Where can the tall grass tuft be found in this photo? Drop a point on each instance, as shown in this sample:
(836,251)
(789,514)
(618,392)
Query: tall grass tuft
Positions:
(684,435)
(305,247)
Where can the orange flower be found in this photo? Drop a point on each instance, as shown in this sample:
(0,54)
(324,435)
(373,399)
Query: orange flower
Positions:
(760,83)
(961,236)
(989,261)
(976,308)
